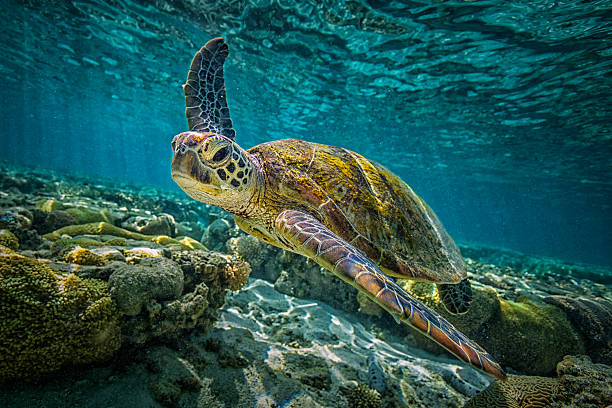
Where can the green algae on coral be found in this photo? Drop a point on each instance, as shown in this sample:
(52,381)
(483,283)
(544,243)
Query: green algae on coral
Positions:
(8,239)
(531,338)
(105,228)
(85,215)
(49,205)
(50,320)
(526,336)
(96,228)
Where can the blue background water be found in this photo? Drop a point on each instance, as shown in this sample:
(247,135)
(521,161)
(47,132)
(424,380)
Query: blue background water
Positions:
(496,112)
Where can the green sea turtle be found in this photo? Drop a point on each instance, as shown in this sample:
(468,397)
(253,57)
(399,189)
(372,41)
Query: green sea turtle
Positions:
(349,214)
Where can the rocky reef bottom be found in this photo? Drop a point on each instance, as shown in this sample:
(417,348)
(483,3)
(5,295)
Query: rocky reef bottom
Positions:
(121,296)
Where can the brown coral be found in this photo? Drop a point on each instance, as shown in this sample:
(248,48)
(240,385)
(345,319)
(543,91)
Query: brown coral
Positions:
(591,318)
(236,274)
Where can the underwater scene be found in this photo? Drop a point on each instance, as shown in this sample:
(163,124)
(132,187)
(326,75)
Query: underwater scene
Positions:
(317,203)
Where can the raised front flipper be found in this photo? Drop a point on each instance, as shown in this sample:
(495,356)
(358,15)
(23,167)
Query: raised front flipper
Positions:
(205,100)
(312,239)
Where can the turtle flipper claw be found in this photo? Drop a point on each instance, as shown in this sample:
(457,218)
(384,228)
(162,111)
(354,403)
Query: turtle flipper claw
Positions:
(309,237)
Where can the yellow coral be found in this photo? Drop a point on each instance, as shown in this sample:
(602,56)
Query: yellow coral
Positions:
(191,243)
(105,228)
(166,241)
(96,228)
(49,205)
(48,320)
(9,240)
(83,256)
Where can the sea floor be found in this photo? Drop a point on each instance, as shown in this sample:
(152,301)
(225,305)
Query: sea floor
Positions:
(288,338)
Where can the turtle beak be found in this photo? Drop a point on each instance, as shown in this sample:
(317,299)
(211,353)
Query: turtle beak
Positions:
(188,171)
(186,165)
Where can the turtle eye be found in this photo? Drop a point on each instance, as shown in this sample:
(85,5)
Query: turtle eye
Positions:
(221,154)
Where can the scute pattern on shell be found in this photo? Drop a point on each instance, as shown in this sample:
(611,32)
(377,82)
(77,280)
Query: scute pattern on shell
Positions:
(362,202)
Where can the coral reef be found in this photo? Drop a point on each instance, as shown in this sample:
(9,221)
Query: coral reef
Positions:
(153,279)
(236,275)
(49,205)
(517,392)
(50,320)
(579,383)
(376,375)
(190,243)
(583,384)
(592,319)
(367,306)
(529,337)
(533,265)
(54,220)
(262,348)
(163,224)
(85,215)
(164,298)
(18,220)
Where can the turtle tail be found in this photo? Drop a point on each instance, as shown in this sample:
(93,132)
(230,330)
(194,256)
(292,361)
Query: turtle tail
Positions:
(456,296)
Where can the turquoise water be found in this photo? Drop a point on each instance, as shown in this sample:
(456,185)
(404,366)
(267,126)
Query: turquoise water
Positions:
(496,112)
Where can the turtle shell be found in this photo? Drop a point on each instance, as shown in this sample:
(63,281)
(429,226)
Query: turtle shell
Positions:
(362,202)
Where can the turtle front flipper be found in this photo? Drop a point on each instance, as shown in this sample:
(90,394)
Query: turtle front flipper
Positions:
(205,99)
(309,237)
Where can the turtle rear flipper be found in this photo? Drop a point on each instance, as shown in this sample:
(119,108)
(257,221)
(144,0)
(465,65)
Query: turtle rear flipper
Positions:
(308,236)
(456,296)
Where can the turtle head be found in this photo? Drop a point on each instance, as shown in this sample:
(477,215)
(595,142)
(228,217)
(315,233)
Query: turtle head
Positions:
(212,168)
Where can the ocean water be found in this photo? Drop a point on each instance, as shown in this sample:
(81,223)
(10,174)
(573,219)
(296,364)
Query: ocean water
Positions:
(496,112)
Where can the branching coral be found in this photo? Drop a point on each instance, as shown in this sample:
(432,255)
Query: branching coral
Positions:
(47,320)
(236,274)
